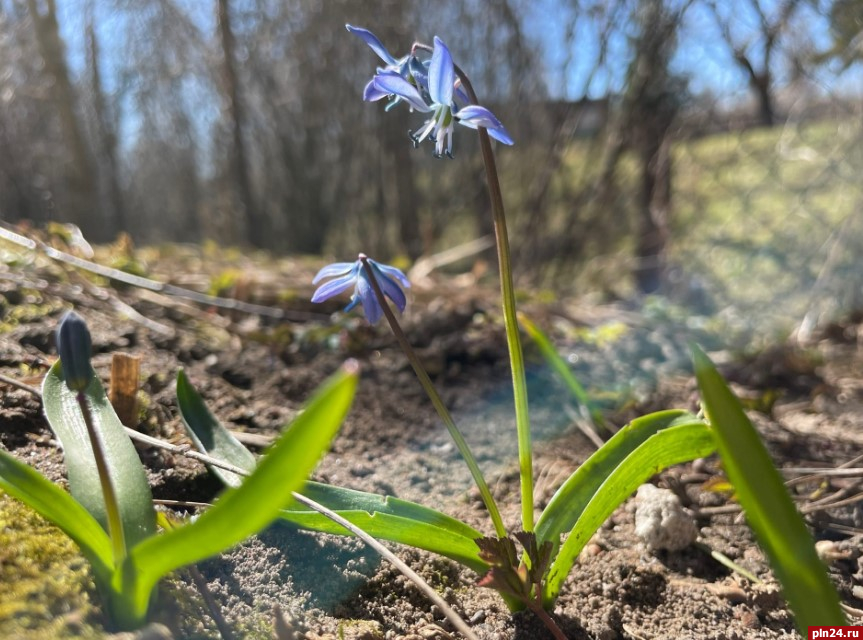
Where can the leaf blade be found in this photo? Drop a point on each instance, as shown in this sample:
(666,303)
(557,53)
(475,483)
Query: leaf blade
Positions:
(135,502)
(209,435)
(392,519)
(769,509)
(567,504)
(383,517)
(26,484)
(664,448)
(256,503)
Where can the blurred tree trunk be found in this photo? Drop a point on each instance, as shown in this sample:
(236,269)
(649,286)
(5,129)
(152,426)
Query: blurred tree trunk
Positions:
(653,101)
(771,26)
(251,220)
(79,167)
(106,132)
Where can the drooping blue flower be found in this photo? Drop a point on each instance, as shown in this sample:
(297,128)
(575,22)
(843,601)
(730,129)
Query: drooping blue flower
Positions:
(352,274)
(436,92)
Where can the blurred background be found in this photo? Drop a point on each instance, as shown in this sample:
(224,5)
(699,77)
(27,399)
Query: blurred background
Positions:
(710,150)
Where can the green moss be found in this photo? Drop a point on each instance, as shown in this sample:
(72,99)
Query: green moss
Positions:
(46,589)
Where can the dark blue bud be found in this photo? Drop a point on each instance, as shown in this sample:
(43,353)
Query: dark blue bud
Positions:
(75,347)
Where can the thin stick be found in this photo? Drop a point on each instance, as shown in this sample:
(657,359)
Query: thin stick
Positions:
(153,285)
(432,595)
(21,385)
(438,403)
(210,602)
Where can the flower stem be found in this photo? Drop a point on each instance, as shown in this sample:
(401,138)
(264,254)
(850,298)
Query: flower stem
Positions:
(436,400)
(548,621)
(112,508)
(510,320)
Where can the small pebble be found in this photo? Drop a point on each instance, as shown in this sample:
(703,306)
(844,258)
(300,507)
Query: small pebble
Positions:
(660,520)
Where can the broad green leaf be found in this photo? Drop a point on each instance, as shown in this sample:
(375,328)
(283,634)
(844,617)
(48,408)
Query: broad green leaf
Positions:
(209,435)
(249,508)
(769,509)
(392,519)
(562,369)
(568,503)
(52,503)
(663,449)
(129,479)
(382,517)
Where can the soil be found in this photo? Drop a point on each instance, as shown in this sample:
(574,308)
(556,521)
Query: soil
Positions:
(255,373)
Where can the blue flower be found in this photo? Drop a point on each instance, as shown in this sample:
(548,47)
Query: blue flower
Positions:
(352,274)
(436,93)
(429,86)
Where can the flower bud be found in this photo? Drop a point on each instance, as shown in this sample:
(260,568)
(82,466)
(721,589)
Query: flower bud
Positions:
(75,346)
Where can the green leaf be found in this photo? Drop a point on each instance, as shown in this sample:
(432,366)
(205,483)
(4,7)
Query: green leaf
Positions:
(562,369)
(209,435)
(135,502)
(769,509)
(387,518)
(664,448)
(249,508)
(568,503)
(51,502)
(391,519)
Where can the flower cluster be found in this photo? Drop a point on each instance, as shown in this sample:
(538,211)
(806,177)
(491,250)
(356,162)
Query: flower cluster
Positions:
(428,86)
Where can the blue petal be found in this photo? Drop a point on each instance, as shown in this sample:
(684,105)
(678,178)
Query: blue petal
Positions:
(393,84)
(372,40)
(355,300)
(501,135)
(371,93)
(441,74)
(391,290)
(392,272)
(461,95)
(474,116)
(334,287)
(366,295)
(335,269)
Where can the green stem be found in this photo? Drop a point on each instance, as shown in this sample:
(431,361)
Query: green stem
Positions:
(436,400)
(510,320)
(112,508)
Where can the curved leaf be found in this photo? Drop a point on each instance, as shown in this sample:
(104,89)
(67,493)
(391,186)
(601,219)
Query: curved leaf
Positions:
(52,503)
(209,435)
(134,500)
(249,508)
(769,510)
(663,449)
(391,519)
(568,503)
(387,518)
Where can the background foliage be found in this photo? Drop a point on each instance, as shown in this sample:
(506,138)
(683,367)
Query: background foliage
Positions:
(708,150)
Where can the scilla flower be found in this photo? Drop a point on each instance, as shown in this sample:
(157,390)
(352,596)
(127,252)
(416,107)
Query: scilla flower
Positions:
(352,274)
(435,94)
